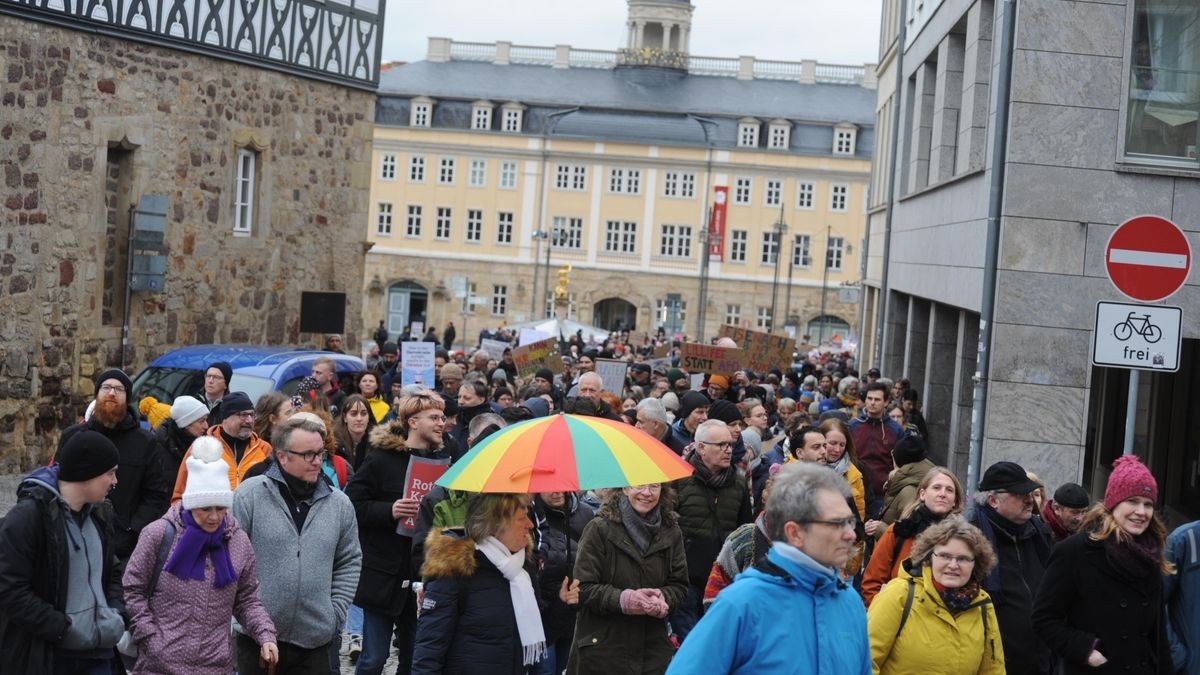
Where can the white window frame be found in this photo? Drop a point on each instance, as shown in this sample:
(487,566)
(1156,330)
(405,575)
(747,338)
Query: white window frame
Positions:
(743,190)
(773,192)
(679,185)
(620,237)
(762,318)
(801,251)
(845,138)
(569,231)
(675,241)
(508,175)
(780,135)
(835,253)
(806,192)
(474,226)
(839,197)
(416,168)
(481,116)
(570,177)
(443,223)
(512,117)
(499,300)
(387,166)
(421,112)
(661,310)
(624,180)
(477,174)
(733,315)
(748,133)
(446,166)
(413,215)
(738,243)
(383,219)
(769,250)
(245,184)
(504,228)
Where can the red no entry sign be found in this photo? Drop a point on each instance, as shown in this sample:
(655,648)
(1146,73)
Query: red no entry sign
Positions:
(1148,258)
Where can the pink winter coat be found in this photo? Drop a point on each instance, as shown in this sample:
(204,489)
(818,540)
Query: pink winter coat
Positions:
(184,627)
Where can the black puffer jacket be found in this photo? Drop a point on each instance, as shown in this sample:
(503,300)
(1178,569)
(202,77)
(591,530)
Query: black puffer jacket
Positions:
(175,443)
(467,623)
(142,494)
(556,540)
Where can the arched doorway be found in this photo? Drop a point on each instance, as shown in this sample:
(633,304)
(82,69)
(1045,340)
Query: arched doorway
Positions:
(614,314)
(824,327)
(406,303)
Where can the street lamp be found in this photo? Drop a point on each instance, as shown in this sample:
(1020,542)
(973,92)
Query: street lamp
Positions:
(537,236)
(825,284)
(780,230)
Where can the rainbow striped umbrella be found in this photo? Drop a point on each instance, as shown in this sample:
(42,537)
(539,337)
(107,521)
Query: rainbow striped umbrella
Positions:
(564,453)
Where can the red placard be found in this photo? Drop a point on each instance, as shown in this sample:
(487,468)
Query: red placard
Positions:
(418,481)
(716,225)
(1148,258)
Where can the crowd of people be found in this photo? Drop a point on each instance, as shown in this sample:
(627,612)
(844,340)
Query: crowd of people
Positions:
(815,534)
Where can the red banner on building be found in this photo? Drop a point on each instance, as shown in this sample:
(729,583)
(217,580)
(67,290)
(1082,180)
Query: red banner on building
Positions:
(716,224)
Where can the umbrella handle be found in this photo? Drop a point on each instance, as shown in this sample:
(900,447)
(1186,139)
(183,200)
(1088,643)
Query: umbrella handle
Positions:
(531,469)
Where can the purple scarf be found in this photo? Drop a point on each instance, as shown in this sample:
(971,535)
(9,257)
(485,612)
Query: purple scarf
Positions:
(187,560)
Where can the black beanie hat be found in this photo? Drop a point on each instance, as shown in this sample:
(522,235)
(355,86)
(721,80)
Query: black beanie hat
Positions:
(225,369)
(114,374)
(909,449)
(545,374)
(1072,496)
(690,401)
(86,455)
(724,411)
(232,404)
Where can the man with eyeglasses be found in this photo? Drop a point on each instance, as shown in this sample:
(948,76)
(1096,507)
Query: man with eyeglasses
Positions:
(216,385)
(711,503)
(378,491)
(305,539)
(143,491)
(242,449)
(1005,512)
(793,612)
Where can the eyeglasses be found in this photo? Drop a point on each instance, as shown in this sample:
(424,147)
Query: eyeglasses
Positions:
(434,418)
(723,445)
(248,415)
(112,389)
(214,378)
(309,457)
(652,489)
(959,559)
(846,523)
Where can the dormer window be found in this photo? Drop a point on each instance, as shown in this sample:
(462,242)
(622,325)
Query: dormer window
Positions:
(481,115)
(512,117)
(422,112)
(748,132)
(779,135)
(844,138)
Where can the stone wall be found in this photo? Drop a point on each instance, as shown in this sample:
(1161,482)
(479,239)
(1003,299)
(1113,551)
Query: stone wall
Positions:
(89,124)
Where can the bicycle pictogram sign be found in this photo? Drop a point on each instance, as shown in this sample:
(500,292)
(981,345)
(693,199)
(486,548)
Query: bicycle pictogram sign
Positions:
(1137,324)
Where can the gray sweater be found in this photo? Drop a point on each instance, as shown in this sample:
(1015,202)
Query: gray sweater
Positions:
(307,579)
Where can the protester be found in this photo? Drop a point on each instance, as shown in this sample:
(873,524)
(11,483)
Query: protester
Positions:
(1004,513)
(792,613)
(951,627)
(216,384)
(910,456)
(142,493)
(693,410)
(352,427)
(367,383)
(60,579)
(1100,605)
(632,572)
(188,421)
(480,613)
(180,611)
(652,418)
(324,371)
(744,548)
(1181,592)
(272,408)
(242,448)
(1064,514)
(559,519)
(304,532)
(875,434)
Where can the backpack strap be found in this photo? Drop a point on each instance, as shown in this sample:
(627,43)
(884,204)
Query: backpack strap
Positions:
(160,560)
(339,468)
(908,602)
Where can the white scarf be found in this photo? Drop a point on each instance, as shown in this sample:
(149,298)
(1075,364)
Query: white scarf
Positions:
(525,607)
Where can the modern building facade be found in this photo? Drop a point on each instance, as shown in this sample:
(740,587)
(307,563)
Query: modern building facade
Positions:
(219,151)
(495,165)
(1102,127)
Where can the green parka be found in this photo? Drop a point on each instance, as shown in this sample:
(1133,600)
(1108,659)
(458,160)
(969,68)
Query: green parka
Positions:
(706,517)
(608,562)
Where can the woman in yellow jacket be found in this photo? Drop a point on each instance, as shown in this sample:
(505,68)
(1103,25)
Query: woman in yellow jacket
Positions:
(936,618)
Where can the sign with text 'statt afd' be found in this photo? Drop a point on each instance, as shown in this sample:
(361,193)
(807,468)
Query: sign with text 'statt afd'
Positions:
(701,358)
(761,351)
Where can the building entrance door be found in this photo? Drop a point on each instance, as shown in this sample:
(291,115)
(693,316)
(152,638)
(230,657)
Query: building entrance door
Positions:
(614,314)
(407,302)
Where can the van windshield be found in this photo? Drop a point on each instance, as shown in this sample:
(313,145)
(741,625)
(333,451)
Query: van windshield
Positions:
(253,386)
(167,384)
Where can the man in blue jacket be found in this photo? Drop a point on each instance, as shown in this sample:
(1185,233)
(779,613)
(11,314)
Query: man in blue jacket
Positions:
(1182,594)
(792,613)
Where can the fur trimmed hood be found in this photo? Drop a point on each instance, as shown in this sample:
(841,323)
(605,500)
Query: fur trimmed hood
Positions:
(450,553)
(388,436)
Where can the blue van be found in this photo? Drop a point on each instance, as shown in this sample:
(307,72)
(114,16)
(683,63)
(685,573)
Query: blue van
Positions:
(257,369)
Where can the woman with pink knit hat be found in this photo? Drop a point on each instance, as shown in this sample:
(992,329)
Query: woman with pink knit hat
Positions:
(1100,604)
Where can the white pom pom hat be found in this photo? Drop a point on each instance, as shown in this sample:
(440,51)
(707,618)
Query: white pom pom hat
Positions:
(208,476)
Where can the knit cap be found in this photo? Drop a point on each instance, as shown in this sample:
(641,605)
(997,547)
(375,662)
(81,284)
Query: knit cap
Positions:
(724,411)
(207,476)
(156,413)
(187,409)
(225,368)
(114,374)
(719,380)
(545,374)
(86,455)
(692,400)
(452,371)
(909,450)
(1130,478)
(232,404)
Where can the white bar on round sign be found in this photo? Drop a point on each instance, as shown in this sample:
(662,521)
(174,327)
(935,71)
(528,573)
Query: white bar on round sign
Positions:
(1149,258)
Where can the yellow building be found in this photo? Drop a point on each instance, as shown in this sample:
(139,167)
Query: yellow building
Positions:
(496,164)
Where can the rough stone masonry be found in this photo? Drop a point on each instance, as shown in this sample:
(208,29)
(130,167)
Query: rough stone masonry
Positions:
(88,124)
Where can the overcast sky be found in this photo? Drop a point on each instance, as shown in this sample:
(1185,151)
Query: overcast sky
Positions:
(830,31)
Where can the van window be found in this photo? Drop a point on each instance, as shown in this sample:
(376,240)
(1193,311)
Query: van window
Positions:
(166,384)
(251,385)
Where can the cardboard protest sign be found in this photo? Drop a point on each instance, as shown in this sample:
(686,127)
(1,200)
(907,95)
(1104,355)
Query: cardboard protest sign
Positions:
(612,373)
(541,354)
(418,481)
(494,348)
(661,351)
(417,363)
(701,358)
(761,351)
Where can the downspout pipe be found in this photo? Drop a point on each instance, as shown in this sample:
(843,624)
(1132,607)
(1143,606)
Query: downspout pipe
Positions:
(987,310)
(894,172)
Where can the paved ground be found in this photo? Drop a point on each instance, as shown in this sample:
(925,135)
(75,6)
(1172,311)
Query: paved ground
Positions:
(8,497)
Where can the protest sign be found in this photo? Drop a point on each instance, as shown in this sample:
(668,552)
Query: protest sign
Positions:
(418,481)
(701,358)
(531,335)
(761,351)
(612,373)
(416,363)
(494,348)
(661,351)
(541,354)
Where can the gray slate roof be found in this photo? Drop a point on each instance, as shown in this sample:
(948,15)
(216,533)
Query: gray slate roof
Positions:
(632,89)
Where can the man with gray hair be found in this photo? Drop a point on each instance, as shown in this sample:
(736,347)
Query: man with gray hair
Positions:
(792,613)
(711,503)
(652,418)
(305,537)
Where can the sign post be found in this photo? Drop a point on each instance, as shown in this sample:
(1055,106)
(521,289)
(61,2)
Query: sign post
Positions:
(1148,259)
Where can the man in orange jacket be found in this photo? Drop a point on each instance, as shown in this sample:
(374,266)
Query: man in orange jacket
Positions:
(242,447)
